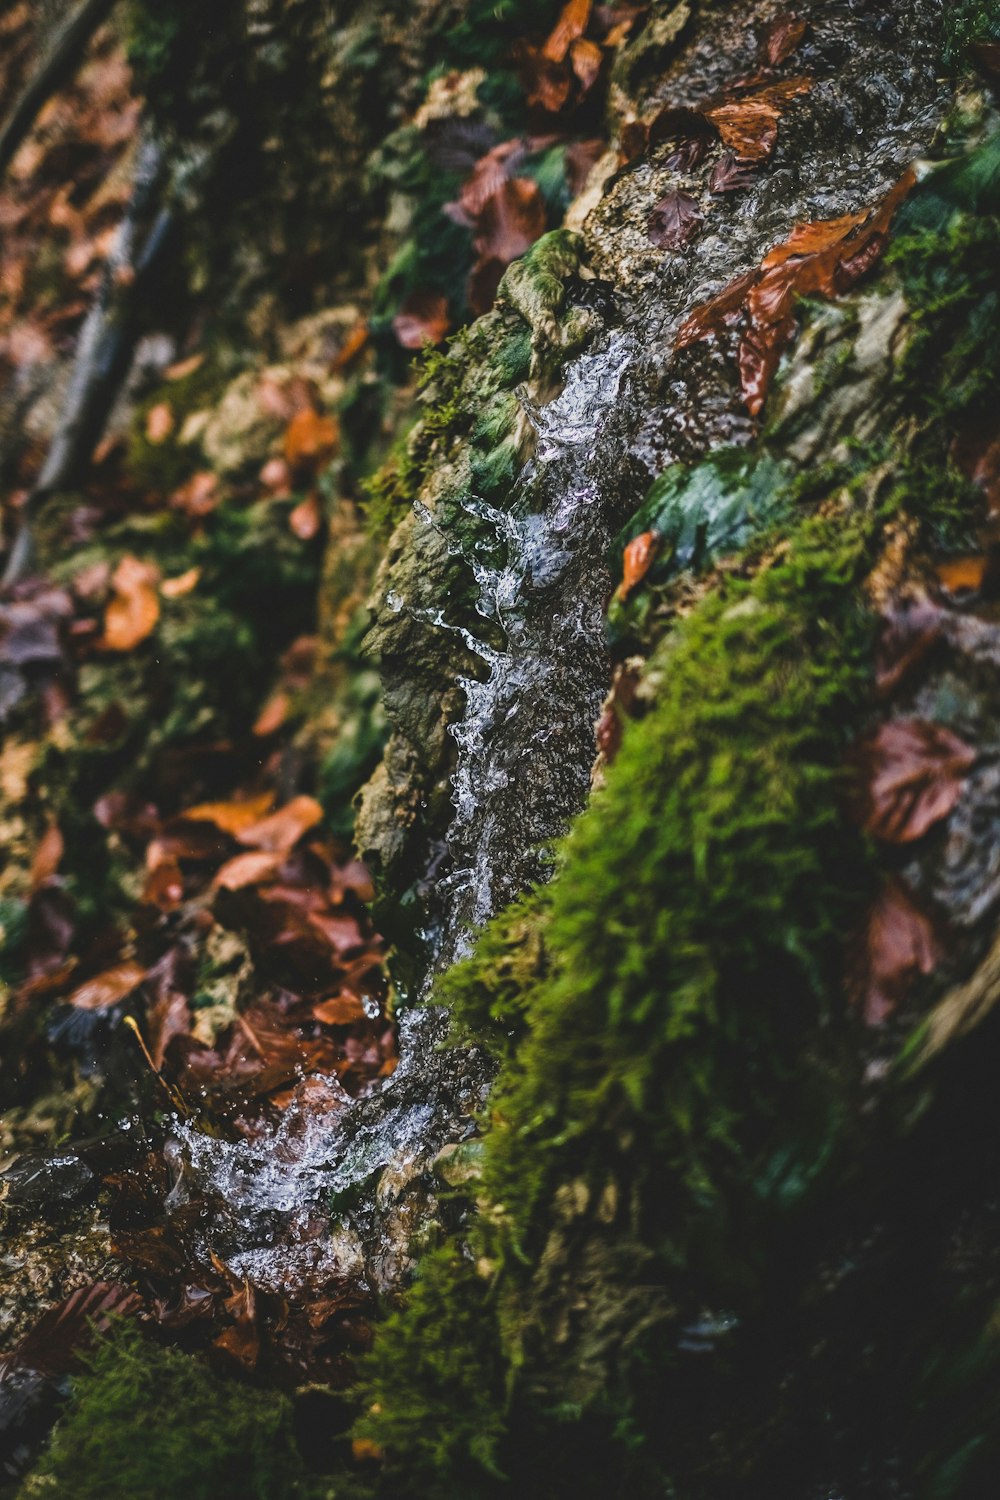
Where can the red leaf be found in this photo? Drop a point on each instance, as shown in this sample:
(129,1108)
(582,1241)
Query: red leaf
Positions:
(900,944)
(782,37)
(729,175)
(52,1345)
(674,220)
(107,989)
(914,774)
(422,319)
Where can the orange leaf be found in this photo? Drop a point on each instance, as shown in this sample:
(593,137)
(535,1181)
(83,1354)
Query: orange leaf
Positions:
(199,496)
(340,1010)
(272,715)
(159,422)
(175,588)
(247,869)
(282,830)
(572,23)
(352,346)
(184,367)
(748,126)
(638,560)
(132,614)
(310,438)
(962,573)
(107,989)
(47,856)
(231,817)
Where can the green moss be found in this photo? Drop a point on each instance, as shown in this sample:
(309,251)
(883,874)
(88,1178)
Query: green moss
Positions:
(154,1424)
(433,1386)
(967,22)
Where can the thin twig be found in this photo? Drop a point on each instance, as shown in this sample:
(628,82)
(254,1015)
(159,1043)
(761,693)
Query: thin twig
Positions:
(102,353)
(58,63)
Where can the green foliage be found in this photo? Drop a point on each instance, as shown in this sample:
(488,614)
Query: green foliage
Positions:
(717,849)
(432,1387)
(154,1424)
(967,22)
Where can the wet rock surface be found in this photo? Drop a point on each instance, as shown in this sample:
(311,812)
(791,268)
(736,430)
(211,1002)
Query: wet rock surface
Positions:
(520,741)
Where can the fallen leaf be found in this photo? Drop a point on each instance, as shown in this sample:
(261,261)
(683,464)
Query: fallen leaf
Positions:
(247,869)
(230,817)
(47,856)
(271,717)
(280,832)
(826,258)
(913,774)
(674,220)
(310,439)
(159,422)
(306,518)
(109,988)
(586,59)
(355,340)
(184,367)
(782,37)
(750,125)
(184,583)
(199,496)
(572,23)
(342,1009)
(729,175)
(134,610)
(164,887)
(422,319)
(900,944)
(166,1018)
(637,561)
(52,1345)
(960,574)
(276,476)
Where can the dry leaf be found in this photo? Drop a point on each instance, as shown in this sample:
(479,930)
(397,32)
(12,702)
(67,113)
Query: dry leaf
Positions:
(422,319)
(47,856)
(306,518)
(900,945)
(132,614)
(310,439)
(280,832)
(914,773)
(231,817)
(342,1009)
(271,717)
(637,561)
(674,220)
(176,588)
(109,988)
(159,422)
(247,869)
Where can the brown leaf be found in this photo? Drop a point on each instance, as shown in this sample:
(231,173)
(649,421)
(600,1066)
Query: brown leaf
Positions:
(674,220)
(586,59)
(729,175)
(637,561)
(184,583)
(572,23)
(280,832)
(51,1347)
(199,496)
(230,817)
(164,887)
(247,869)
(422,319)
(961,574)
(900,944)
(134,610)
(782,37)
(310,439)
(914,773)
(306,518)
(271,717)
(47,856)
(168,1017)
(109,988)
(749,127)
(159,422)
(342,1009)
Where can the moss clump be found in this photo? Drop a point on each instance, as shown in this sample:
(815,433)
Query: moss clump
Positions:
(967,22)
(434,1385)
(154,1424)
